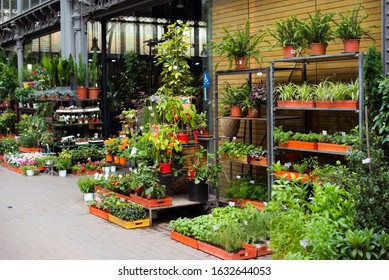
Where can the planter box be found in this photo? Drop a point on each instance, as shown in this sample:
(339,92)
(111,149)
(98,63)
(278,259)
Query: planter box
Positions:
(189,241)
(153,202)
(128,224)
(30,150)
(259,204)
(101,190)
(98,212)
(119,195)
(324,104)
(296,104)
(87,172)
(261,161)
(299,145)
(333,147)
(346,104)
(249,252)
(290,174)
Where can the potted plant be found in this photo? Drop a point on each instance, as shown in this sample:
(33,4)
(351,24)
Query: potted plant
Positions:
(288,35)
(285,94)
(240,45)
(80,75)
(202,175)
(62,165)
(258,156)
(254,101)
(349,29)
(234,97)
(65,69)
(8,84)
(317,30)
(199,126)
(30,169)
(128,215)
(94,75)
(86,185)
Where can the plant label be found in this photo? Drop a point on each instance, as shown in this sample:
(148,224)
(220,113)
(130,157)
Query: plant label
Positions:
(231,203)
(366,161)
(324,132)
(288,164)
(343,133)
(133,151)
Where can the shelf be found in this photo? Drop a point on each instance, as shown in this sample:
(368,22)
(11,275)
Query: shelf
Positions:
(71,100)
(310,151)
(243,162)
(75,145)
(76,124)
(316,109)
(86,110)
(25,109)
(319,58)
(278,118)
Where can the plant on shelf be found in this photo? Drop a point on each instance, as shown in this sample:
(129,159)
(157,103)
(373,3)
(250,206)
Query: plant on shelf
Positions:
(286,91)
(94,71)
(258,153)
(304,92)
(234,97)
(50,66)
(317,30)
(288,34)
(80,76)
(240,45)
(247,188)
(281,136)
(65,70)
(144,182)
(237,150)
(200,123)
(349,29)
(306,137)
(202,170)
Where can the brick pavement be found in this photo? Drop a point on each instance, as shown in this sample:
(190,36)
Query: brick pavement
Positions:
(44,218)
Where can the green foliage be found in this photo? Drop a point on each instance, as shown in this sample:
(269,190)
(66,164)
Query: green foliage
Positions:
(128,211)
(31,129)
(94,71)
(372,71)
(8,120)
(369,186)
(280,135)
(145,182)
(317,28)
(63,163)
(65,68)
(235,95)
(8,145)
(286,91)
(381,119)
(247,188)
(172,54)
(240,43)
(79,70)
(87,184)
(8,82)
(349,25)
(287,32)
(235,149)
(51,67)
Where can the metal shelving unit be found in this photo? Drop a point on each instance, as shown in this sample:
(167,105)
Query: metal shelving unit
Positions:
(305,61)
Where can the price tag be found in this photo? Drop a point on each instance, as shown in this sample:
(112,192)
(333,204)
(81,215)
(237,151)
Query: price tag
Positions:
(324,132)
(288,164)
(343,133)
(366,161)
(231,203)
(133,151)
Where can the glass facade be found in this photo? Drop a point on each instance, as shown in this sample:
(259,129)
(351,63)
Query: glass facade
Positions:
(9,8)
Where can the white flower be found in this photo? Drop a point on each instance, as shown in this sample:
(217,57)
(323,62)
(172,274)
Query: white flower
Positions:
(152,114)
(141,127)
(252,182)
(304,243)
(238,177)
(120,176)
(245,223)
(150,108)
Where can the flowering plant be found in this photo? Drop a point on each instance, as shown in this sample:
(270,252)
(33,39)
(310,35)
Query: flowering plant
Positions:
(258,94)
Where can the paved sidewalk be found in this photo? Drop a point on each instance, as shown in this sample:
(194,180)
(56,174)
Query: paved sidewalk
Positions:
(44,218)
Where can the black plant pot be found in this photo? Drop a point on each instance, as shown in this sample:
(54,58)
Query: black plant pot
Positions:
(198,192)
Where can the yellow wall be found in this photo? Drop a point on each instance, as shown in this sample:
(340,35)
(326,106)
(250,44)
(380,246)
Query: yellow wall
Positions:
(262,15)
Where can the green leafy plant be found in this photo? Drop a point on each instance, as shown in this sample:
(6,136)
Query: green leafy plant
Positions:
(240,43)
(65,70)
(94,71)
(318,28)
(128,211)
(350,23)
(286,91)
(235,149)
(63,163)
(79,70)
(86,184)
(144,181)
(280,135)
(287,32)
(32,167)
(235,95)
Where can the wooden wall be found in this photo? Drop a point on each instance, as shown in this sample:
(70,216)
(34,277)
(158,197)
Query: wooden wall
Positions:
(263,14)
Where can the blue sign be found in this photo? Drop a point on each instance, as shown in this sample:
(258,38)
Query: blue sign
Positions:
(206,80)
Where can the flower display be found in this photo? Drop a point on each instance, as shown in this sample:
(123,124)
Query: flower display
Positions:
(258,94)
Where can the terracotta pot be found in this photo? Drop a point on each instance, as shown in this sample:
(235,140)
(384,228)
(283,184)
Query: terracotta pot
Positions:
(93,93)
(240,63)
(236,111)
(82,93)
(109,158)
(318,49)
(254,112)
(122,160)
(288,51)
(351,45)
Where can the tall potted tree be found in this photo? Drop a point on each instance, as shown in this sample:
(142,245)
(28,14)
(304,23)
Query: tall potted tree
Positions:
(317,30)
(240,45)
(94,77)
(80,75)
(349,29)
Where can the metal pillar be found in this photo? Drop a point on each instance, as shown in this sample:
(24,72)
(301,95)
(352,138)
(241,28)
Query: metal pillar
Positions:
(67,31)
(104,77)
